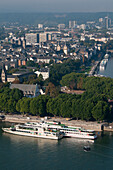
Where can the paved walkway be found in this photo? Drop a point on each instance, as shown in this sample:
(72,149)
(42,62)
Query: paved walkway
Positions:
(78,123)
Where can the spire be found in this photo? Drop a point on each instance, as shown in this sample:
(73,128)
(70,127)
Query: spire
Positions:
(3,74)
(65,49)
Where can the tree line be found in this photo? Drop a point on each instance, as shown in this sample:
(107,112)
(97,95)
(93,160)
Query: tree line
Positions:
(91,105)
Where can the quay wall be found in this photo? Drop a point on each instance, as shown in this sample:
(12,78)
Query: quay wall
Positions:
(78,123)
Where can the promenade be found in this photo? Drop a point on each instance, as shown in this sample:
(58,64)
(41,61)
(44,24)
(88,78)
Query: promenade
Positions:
(78,123)
(93,69)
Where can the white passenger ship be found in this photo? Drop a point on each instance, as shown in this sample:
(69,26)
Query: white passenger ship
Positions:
(34,131)
(69,131)
(77,133)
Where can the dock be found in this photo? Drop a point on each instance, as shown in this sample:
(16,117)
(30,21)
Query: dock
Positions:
(94,68)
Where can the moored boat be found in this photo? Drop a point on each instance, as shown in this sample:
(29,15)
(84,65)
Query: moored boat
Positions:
(32,131)
(77,133)
(69,131)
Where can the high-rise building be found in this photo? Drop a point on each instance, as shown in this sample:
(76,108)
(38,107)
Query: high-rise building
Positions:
(106,22)
(31,38)
(42,37)
(101,22)
(72,24)
(109,22)
(40,26)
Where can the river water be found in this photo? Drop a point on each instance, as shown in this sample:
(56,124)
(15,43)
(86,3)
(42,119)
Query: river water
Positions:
(27,153)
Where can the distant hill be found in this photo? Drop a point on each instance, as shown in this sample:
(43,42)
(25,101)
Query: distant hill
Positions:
(51,19)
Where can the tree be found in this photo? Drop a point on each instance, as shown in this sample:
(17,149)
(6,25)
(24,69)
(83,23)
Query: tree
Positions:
(87,109)
(11,107)
(38,105)
(16,94)
(30,63)
(66,108)
(73,80)
(51,90)
(76,113)
(100,110)
(23,105)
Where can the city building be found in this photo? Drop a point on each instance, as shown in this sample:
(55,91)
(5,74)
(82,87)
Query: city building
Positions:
(44,72)
(3,74)
(61,26)
(31,38)
(58,47)
(72,24)
(106,22)
(28,90)
(83,26)
(65,49)
(40,26)
(24,43)
(43,37)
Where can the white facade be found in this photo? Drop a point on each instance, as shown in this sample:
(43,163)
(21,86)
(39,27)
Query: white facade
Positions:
(42,37)
(72,24)
(40,26)
(43,60)
(45,74)
(31,38)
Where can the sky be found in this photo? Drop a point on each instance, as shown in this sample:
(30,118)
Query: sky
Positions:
(56,6)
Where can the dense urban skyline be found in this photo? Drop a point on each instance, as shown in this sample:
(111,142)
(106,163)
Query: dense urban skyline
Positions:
(56,6)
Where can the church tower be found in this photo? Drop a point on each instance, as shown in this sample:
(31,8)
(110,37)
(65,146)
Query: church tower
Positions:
(24,43)
(3,74)
(65,49)
(58,47)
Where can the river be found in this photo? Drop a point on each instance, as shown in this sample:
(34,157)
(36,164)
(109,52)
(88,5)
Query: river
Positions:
(27,153)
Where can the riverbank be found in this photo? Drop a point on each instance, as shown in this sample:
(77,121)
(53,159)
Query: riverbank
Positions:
(68,122)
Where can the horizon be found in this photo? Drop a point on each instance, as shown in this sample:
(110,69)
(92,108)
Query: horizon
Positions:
(54,12)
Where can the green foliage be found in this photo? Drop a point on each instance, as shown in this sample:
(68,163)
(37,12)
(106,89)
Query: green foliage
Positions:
(100,110)
(32,64)
(61,105)
(59,70)
(76,109)
(12,70)
(9,98)
(98,85)
(23,105)
(51,90)
(38,105)
(16,94)
(32,79)
(73,80)
(91,105)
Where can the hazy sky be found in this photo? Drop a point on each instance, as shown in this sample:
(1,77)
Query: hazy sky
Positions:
(56,5)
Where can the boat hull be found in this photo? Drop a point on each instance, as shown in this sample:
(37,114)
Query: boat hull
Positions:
(7,130)
(80,136)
